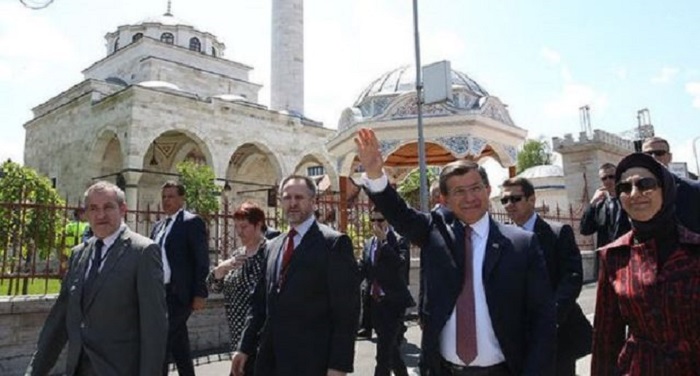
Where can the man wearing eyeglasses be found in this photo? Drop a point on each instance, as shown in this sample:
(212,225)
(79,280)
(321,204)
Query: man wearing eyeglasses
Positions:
(476,274)
(563,259)
(687,191)
(605,216)
(385,259)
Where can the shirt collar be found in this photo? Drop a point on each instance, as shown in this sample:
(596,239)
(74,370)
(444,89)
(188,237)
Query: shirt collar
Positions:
(174,216)
(109,240)
(305,226)
(481,227)
(529,225)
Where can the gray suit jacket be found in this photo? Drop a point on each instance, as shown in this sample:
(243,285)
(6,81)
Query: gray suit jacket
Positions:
(122,325)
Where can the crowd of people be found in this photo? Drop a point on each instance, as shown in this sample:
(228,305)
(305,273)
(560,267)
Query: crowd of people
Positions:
(494,299)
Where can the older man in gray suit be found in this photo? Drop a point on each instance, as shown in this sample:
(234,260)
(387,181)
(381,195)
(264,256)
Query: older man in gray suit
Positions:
(111,309)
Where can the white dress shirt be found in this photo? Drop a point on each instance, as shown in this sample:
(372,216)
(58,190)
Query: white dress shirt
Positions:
(529,225)
(108,242)
(488,349)
(162,234)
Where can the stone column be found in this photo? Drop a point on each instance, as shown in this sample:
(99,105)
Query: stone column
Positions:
(131,191)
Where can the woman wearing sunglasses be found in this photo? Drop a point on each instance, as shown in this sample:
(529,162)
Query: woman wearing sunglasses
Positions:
(647,316)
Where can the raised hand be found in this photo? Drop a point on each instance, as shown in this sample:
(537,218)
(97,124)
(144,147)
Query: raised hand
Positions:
(368,153)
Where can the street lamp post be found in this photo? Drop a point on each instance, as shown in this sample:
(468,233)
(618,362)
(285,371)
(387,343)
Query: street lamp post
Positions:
(419,106)
(695,154)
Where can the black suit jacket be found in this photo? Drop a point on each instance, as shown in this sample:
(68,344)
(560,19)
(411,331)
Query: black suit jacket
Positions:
(188,256)
(597,220)
(389,270)
(515,280)
(308,324)
(564,266)
(688,203)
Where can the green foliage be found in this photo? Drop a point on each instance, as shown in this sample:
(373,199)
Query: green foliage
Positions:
(534,153)
(202,192)
(409,188)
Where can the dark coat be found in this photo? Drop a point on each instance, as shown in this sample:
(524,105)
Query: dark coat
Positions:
(564,266)
(307,325)
(517,288)
(688,203)
(597,220)
(187,249)
(646,317)
(389,270)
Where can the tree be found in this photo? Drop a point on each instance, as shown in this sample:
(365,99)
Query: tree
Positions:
(534,153)
(201,190)
(30,218)
(409,188)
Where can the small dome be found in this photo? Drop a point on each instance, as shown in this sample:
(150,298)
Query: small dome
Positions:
(159,85)
(403,79)
(166,19)
(543,171)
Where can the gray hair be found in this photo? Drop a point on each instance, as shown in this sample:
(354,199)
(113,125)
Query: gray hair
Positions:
(307,181)
(105,186)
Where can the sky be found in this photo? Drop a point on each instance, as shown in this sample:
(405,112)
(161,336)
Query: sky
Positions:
(543,58)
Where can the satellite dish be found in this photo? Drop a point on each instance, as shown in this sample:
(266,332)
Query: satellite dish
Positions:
(36,4)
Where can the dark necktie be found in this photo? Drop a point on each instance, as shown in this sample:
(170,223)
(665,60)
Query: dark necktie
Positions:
(161,241)
(287,256)
(95,267)
(466,320)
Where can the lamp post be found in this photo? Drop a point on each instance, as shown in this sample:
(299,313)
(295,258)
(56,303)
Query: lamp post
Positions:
(419,106)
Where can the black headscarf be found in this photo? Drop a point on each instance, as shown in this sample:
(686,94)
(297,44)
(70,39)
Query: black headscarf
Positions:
(662,227)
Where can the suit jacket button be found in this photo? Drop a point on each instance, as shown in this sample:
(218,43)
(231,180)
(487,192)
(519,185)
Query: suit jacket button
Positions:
(82,325)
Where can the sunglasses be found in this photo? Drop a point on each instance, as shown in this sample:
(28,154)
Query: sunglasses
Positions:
(607,177)
(380,220)
(512,199)
(643,185)
(656,153)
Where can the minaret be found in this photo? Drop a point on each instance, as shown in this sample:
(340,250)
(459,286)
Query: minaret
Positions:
(287,85)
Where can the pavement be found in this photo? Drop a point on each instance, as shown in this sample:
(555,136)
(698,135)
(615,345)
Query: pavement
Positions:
(220,365)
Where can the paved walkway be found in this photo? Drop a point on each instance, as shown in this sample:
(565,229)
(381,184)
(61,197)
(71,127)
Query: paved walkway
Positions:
(216,365)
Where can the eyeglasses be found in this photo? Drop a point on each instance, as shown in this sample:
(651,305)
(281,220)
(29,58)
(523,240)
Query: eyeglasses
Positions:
(656,153)
(380,220)
(607,177)
(643,185)
(512,199)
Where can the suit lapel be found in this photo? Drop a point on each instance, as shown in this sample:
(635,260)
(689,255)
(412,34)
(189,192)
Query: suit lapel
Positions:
(311,237)
(115,252)
(81,269)
(494,246)
(275,248)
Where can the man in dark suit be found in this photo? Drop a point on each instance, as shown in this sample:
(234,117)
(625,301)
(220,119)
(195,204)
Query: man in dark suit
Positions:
(687,191)
(304,313)
(563,259)
(111,307)
(604,215)
(182,237)
(383,264)
(477,273)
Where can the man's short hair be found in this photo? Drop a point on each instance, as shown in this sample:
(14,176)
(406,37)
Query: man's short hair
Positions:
(459,168)
(435,189)
(606,166)
(174,184)
(105,186)
(523,183)
(656,139)
(307,180)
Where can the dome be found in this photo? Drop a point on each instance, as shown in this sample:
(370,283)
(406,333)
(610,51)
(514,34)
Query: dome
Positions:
(543,171)
(159,85)
(166,19)
(403,79)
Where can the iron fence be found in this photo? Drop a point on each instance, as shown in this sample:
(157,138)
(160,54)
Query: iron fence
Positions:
(28,266)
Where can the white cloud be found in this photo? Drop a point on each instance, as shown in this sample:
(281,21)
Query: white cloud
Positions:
(666,75)
(11,150)
(683,152)
(550,55)
(693,88)
(621,73)
(572,97)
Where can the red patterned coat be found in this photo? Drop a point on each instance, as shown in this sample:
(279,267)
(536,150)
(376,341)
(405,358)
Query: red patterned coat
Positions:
(647,321)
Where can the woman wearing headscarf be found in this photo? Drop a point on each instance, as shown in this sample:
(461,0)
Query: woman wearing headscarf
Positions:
(238,276)
(647,316)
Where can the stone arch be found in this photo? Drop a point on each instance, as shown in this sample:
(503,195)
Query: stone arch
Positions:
(160,161)
(252,170)
(107,155)
(313,160)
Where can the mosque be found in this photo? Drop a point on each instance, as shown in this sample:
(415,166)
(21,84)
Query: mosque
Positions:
(165,93)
